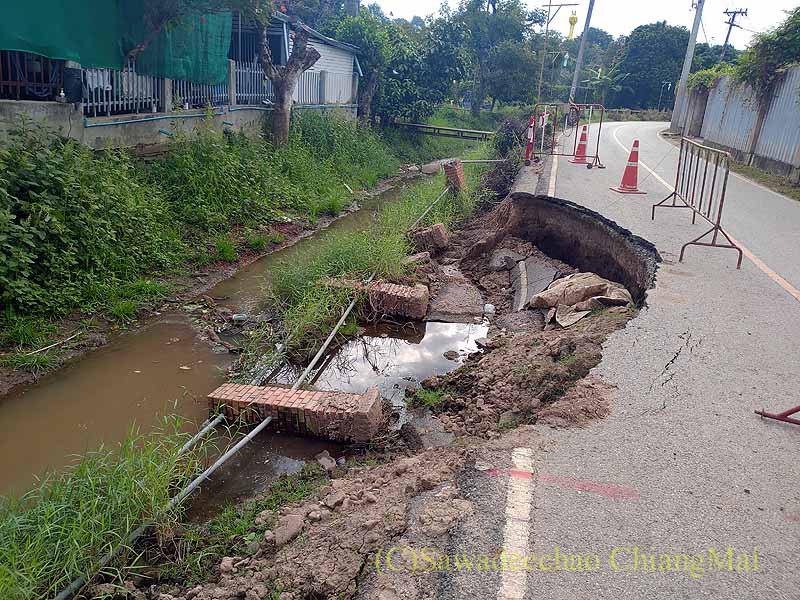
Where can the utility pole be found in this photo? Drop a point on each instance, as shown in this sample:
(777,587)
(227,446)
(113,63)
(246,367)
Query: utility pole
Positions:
(558,7)
(579,61)
(680,93)
(731,23)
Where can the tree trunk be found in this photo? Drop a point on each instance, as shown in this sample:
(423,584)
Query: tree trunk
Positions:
(478,92)
(493,102)
(365,96)
(284,80)
(282,110)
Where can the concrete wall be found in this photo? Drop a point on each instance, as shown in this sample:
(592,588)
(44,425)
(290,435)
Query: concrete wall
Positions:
(143,131)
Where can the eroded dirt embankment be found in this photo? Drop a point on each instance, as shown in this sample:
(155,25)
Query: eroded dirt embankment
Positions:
(528,373)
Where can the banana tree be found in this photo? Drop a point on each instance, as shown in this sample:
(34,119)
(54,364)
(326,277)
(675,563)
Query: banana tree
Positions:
(601,83)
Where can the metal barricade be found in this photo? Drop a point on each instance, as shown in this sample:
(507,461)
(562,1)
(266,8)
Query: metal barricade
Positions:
(701,181)
(545,115)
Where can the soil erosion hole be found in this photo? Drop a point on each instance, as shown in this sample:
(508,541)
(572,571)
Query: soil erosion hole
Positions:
(582,238)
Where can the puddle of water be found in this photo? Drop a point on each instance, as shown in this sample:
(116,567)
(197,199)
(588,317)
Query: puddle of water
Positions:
(391,357)
(254,468)
(394,358)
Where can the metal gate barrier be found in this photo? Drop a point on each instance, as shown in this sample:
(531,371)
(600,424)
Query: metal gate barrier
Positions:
(710,168)
(548,115)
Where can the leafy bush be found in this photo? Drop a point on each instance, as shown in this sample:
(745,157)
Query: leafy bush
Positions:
(708,78)
(71,219)
(761,65)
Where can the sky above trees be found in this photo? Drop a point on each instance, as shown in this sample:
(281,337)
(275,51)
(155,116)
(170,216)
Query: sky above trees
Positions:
(620,17)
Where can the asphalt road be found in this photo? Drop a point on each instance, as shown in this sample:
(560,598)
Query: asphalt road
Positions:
(702,473)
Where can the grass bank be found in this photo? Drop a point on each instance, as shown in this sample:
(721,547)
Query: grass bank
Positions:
(305,309)
(58,530)
(97,235)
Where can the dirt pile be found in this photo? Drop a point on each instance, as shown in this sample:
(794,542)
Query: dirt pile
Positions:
(520,373)
(321,548)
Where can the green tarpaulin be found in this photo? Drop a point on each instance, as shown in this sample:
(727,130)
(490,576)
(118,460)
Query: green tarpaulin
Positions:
(101,33)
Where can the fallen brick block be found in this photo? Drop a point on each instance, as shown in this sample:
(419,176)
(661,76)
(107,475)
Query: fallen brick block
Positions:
(337,416)
(454,170)
(432,238)
(399,300)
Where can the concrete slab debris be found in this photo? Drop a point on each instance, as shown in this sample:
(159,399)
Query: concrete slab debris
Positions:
(528,278)
(457,302)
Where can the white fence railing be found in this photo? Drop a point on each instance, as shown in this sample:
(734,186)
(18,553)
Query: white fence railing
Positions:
(307,90)
(187,94)
(252,86)
(107,92)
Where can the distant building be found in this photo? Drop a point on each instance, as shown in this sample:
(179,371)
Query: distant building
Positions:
(87,89)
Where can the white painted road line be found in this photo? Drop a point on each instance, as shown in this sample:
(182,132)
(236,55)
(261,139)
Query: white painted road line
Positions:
(551,185)
(517,529)
(788,287)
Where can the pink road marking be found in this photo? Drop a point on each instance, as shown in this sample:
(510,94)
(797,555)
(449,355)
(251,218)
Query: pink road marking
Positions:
(610,490)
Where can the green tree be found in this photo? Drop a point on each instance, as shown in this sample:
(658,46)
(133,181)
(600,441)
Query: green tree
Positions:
(369,32)
(601,82)
(159,15)
(491,24)
(761,65)
(652,54)
(512,71)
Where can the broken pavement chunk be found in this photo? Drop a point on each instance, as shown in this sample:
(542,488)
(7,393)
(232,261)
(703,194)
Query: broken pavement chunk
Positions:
(583,291)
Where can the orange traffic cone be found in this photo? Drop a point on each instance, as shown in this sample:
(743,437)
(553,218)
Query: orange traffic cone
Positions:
(630,178)
(580,153)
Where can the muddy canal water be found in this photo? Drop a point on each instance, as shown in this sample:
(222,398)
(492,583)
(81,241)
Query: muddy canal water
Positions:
(164,368)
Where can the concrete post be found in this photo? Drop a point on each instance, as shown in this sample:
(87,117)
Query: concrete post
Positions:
(354,89)
(323,78)
(232,82)
(166,97)
(351,7)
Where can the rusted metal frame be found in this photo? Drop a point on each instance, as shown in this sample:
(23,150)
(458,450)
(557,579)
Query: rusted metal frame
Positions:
(596,159)
(716,223)
(781,416)
(693,176)
(682,156)
(702,188)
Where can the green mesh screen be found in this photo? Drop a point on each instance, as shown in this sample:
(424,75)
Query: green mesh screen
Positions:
(100,34)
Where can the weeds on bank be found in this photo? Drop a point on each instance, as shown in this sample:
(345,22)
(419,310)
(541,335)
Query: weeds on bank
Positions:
(308,307)
(199,548)
(427,398)
(58,530)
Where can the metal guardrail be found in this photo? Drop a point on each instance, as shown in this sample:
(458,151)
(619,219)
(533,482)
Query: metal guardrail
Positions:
(109,92)
(188,94)
(452,132)
(252,86)
(701,181)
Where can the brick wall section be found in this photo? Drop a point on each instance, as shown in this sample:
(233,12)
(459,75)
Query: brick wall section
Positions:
(455,174)
(333,415)
(401,300)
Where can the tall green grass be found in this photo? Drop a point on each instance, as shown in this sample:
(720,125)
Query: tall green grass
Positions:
(308,307)
(58,530)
